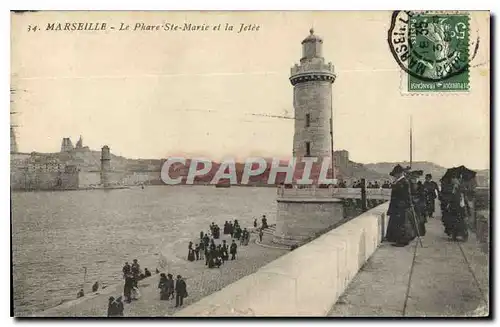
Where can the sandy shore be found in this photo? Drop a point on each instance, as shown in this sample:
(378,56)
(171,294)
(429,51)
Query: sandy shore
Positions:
(200,280)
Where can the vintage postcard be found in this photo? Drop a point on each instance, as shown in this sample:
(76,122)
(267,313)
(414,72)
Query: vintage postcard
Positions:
(251,164)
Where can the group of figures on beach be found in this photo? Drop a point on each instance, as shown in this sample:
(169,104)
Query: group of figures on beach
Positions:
(413,202)
(216,254)
(170,288)
(132,275)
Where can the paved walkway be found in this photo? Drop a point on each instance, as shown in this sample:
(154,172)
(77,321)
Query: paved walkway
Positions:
(448,279)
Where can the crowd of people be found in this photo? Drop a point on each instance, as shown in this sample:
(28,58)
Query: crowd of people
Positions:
(216,254)
(169,288)
(132,274)
(370,184)
(206,249)
(413,202)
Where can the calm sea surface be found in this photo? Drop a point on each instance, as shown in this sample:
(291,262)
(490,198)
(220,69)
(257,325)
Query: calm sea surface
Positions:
(56,234)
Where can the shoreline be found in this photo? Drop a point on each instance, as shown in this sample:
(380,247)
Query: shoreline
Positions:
(132,186)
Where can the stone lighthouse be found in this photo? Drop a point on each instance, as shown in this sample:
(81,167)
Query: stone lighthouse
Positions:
(105,166)
(312,81)
(306,211)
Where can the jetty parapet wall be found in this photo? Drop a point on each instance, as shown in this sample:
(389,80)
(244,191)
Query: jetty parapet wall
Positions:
(305,282)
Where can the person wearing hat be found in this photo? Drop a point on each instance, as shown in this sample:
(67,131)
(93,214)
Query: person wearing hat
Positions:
(418,199)
(112,309)
(180,291)
(431,192)
(400,229)
(458,203)
(445,199)
(119,306)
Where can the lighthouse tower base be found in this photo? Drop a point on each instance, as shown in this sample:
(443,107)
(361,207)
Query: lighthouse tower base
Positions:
(300,218)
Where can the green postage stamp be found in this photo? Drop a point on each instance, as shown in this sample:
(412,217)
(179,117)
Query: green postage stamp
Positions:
(434,49)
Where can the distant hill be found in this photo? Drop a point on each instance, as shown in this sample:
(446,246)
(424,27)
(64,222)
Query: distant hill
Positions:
(90,160)
(437,171)
(428,167)
(357,171)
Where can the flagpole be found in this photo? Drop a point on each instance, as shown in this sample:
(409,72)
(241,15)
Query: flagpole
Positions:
(331,148)
(411,141)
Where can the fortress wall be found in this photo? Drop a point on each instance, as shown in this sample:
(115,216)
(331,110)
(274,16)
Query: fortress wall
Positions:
(305,282)
(43,180)
(89,178)
(136,178)
(93,178)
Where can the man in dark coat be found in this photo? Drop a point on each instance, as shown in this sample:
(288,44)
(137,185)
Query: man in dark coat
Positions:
(127,287)
(126,269)
(431,192)
(207,256)
(232,250)
(400,229)
(264,222)
(112,309)
(180,291)
(136,271)
(119,306)
(418,200)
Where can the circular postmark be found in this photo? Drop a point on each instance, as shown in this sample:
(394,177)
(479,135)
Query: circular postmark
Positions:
(431,46)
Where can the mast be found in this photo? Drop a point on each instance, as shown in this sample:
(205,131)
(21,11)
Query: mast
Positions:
(331,145)
(411,140)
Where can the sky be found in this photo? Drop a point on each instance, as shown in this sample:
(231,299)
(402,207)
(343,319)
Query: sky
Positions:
(153,94)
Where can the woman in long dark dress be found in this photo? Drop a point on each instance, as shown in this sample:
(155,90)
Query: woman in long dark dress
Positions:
(458,211)
(401,227)
(162,285)
(191,256)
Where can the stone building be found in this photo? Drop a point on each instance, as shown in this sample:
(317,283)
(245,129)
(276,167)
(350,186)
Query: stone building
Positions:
(66,145)
(79,168)
(341,159)
(304,212)
(36,171)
